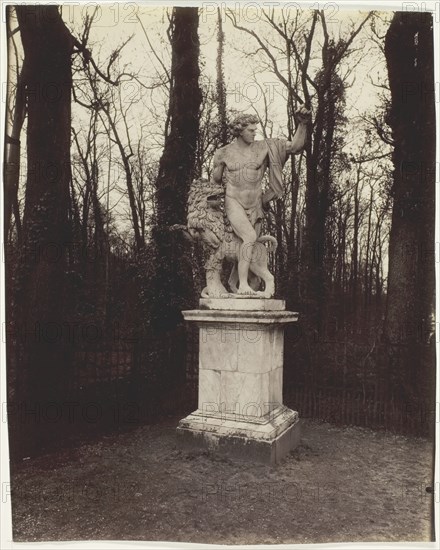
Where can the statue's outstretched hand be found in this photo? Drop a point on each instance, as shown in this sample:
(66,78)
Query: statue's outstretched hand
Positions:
(303,115)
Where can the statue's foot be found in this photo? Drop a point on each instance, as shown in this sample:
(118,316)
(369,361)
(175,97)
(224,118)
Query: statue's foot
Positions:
(214,290)
(246,290)
(265,294)
(269,289)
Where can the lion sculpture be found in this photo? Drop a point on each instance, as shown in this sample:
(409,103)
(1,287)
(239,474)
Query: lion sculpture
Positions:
(207,221)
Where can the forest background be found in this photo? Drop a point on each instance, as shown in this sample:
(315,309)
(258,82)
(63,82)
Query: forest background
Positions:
(113,110)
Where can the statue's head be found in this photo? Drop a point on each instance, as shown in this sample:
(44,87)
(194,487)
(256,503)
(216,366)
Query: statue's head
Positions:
(241,122)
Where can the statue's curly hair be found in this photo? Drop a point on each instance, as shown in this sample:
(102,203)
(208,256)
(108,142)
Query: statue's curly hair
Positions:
(240,122)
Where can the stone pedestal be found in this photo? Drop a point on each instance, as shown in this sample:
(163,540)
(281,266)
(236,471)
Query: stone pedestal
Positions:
(240,407)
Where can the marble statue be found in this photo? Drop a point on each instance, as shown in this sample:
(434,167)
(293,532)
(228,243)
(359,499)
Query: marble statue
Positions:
(226,213)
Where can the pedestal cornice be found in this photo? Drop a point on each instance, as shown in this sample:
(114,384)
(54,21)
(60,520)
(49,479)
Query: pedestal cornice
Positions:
(240,316)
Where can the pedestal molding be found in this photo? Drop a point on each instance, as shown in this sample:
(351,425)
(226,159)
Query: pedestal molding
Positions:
(240,411)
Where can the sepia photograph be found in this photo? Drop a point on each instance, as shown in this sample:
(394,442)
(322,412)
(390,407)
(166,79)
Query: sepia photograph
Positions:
(218,286)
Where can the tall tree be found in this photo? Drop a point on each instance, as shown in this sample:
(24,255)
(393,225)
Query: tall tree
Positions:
(41,296)
(173,287)
(221,90)
(12,164)
(411,281)
(324,91)
(323,156)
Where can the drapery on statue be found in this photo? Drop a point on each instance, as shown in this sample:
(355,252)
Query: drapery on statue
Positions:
(226,212)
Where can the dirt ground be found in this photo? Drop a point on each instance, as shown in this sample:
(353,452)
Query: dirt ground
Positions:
(339,485)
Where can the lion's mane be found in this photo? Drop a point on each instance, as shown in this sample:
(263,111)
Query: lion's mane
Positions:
(202,216)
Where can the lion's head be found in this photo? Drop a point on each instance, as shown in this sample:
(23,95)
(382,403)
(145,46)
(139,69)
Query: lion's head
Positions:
(205,213)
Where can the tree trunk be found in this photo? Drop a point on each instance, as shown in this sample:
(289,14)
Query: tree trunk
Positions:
(12,166)
(367,287)
(355,256)
(41,296)
(221,89)
(411,280)
(293,267)
(173,284)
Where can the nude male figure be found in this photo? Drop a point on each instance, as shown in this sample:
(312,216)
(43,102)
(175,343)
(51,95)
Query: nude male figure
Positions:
(241,165)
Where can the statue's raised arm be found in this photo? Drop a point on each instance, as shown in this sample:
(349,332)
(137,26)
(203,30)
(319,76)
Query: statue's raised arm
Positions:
(278,152)
(303,116)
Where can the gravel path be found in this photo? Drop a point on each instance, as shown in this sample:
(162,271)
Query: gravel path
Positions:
(339,485)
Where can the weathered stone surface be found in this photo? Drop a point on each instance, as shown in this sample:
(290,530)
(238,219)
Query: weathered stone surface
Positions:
(209,386)
(225,212)
(242,303)
(216,318)
(240,410)
(218,349)
(276,385)
(267,441)
(245,391)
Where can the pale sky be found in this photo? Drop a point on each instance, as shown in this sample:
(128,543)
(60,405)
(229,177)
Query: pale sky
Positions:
(113,26)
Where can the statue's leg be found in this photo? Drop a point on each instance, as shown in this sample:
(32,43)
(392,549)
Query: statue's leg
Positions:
(243,229)
(233,278)
(258,266)
(214,286)
(254,280)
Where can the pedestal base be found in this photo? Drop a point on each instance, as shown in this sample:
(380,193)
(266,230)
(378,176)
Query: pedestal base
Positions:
(267,439)
(240,408)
